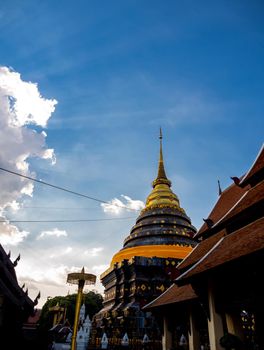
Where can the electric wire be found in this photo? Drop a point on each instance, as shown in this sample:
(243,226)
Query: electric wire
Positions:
(32,251)
(74,220)
(59,208)
(65,189)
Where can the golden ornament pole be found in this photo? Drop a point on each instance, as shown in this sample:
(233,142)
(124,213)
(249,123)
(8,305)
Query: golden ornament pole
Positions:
(80,278)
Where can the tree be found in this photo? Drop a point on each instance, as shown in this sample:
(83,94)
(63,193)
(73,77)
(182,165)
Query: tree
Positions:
(93,303)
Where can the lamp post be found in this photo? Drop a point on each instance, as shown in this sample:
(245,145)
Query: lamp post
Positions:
(80,278)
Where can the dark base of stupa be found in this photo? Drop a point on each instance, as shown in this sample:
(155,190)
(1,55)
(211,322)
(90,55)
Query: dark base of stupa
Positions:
(131,285)
(127,327)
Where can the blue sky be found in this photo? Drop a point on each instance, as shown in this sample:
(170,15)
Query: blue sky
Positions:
(120,70)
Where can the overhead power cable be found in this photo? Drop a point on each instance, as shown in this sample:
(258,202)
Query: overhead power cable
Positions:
(74,220)
(65,189)
(59,208)
(52,208)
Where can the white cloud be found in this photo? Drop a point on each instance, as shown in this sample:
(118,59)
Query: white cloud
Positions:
(14,206)
(62,252)
(21,104)
(28,189)
(52,275)
(94,251)
(46,269)
(25,103)
(55,232)
(134,204)
(49,154)
(51,280)
(68,250)
(98,269)
(116,206)
(10,234)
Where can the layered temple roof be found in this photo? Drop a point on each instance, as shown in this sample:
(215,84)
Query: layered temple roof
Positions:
(9,287)
(162,229)
(238,244)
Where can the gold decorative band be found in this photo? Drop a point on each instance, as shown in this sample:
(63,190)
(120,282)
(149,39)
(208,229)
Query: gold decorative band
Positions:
(150,251)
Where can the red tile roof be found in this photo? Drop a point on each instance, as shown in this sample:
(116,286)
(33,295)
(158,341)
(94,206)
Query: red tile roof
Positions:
(226,201)
(242,242)
(33,320)
(200,250)
(252,196)
(255,168)
(174,294)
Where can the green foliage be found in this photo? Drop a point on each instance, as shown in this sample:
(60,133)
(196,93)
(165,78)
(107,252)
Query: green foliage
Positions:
(93,303)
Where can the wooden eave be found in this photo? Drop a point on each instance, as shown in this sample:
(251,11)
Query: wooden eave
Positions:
(241,243)
(200,250)
(173,295)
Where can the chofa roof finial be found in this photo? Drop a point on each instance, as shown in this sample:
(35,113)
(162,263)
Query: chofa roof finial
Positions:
(219,188)
(236,180)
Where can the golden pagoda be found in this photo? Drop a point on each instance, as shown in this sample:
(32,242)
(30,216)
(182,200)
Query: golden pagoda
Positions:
(147,264)
(163,229)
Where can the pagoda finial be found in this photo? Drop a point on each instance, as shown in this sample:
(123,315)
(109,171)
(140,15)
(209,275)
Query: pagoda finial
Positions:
(161,177)
(161,171)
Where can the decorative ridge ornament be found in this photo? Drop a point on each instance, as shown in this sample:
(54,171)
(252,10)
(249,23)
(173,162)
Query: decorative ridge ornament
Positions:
(219,188)
(236,180)
(36,299)
(16,261)
(209,222)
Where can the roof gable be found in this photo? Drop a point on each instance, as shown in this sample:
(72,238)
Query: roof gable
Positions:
(229,197)
(253,173)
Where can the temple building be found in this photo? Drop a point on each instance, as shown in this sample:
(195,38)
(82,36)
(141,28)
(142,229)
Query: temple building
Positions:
(62,332)
(147,264)
(15,305)
(217,301)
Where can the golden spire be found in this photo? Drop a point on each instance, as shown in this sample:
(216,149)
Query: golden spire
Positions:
(162,196)
(161,177)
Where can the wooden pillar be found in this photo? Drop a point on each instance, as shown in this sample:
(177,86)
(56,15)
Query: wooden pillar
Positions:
(234,325)
(166,336)
(193,335)
(215,324)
